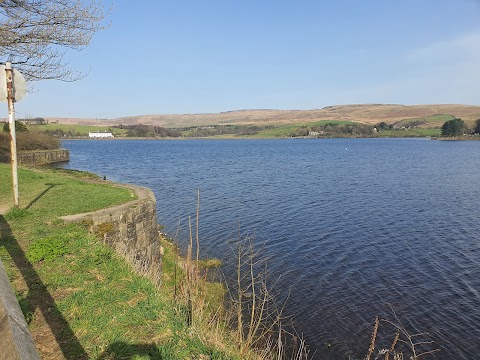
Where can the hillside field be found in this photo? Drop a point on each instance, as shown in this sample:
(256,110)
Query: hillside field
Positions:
(423,120)
(367,114)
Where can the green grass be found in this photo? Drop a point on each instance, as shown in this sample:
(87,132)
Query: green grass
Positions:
(417,132)
(283,131)
(94,304)
(82,129)
(430,128)
(277,132)
(440,118)
(435,120)
(60,194)
(398,133)
(428,132)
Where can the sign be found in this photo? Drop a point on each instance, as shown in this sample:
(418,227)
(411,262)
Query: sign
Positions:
(19,85)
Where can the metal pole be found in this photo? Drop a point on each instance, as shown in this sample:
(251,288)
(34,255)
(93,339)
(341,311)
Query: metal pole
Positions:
(13,138)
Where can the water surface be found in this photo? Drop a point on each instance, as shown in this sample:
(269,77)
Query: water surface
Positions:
(349,225)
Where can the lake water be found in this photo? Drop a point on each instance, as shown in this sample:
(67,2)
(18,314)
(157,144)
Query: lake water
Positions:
(349,225)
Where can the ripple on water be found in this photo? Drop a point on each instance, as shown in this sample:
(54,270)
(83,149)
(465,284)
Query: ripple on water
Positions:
(349,232)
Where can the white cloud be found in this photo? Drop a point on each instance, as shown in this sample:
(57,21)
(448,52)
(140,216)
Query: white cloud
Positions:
(448,70)
(465,48)
(441,72)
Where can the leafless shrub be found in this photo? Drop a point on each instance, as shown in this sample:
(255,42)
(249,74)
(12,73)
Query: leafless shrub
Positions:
(251,308)
(35,140)
(404,345)
(27,141)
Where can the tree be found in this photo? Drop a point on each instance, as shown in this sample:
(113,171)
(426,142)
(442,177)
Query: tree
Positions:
(35,35)
(454,127)
(19,127)
(382,126)
(477,127)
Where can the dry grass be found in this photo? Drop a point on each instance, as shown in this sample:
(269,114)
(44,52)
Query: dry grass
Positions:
(248,321)
(404,344)
(364,113)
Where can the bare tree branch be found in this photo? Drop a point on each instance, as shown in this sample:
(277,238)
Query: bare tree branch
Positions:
(35,35)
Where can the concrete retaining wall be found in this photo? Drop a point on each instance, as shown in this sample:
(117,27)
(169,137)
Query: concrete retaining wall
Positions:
(131,230)
(42,157)
(16,342)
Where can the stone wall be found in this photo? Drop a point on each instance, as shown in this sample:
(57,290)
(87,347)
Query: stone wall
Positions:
(16,341)
(131,230)
(42,157)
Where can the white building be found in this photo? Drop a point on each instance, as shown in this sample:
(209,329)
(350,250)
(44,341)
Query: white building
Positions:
(99,134)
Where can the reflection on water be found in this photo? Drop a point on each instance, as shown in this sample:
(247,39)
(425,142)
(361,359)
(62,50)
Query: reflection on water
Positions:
(349,225)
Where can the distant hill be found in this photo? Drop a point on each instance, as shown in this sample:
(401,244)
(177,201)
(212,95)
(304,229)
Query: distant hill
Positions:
(368,114)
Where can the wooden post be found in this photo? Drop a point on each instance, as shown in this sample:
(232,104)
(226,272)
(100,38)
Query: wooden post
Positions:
(13,137)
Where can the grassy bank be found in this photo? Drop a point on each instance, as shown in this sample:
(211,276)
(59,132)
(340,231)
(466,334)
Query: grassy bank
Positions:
(81,300)
(76,130)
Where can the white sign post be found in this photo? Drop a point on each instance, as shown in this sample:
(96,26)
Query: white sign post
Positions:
(14,90)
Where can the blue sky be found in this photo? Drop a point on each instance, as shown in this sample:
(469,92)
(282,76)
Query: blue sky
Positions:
(190,56)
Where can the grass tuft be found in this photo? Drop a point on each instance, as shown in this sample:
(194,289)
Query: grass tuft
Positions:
(16,213)
(46,249)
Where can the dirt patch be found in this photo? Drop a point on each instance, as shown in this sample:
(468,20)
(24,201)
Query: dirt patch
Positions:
(44,338)
(4,208)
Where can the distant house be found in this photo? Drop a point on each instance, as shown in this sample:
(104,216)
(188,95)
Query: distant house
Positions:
(36,121)
(104,134)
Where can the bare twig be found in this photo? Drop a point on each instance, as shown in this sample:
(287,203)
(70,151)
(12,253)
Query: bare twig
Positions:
(374,336)
(404,337)
(36,35)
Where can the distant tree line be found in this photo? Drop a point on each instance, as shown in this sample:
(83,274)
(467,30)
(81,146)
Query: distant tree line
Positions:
(215,130)
(59,133)
(335,130)
(148,131)
(453,127)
